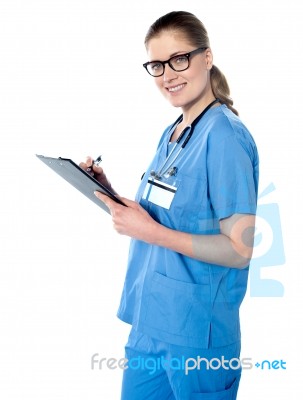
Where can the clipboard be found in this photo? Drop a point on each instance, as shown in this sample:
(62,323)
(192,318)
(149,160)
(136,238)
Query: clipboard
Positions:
(80,179)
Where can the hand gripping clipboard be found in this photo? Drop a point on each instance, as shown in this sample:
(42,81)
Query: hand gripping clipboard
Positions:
(80,179)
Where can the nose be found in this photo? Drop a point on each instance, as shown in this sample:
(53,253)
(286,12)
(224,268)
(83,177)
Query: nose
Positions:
(169,73)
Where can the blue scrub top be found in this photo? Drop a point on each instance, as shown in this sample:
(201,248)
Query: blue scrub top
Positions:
(175,298)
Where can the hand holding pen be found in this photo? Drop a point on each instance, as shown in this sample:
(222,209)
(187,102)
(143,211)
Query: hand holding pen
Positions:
(96,162)
(93,168)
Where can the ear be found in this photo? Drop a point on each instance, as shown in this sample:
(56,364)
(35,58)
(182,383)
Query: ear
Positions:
(208,58)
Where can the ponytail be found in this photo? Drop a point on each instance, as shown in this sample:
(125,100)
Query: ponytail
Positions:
(220,88)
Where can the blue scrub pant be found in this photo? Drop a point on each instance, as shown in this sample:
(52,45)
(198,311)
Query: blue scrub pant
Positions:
(162,371)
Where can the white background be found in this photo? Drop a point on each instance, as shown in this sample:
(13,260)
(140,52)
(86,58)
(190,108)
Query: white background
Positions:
(72,84)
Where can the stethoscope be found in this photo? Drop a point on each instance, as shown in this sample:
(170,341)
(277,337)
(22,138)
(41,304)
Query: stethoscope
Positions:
(167,169)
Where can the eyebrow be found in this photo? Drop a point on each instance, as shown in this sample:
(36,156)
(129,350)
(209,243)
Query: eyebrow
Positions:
(180,52)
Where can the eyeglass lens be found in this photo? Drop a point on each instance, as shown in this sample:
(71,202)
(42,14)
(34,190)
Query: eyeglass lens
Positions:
(177,63)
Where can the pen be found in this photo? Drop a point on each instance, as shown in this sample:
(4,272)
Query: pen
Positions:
(97,161)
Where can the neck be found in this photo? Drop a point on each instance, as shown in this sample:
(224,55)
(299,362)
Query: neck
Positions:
(191,113)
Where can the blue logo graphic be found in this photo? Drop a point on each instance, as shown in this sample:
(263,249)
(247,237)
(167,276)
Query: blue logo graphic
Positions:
(268,248)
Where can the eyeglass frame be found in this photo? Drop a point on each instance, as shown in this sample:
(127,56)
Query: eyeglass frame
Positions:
(187,55)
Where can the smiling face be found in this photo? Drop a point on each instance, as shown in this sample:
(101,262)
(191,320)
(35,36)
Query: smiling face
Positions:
(189,89)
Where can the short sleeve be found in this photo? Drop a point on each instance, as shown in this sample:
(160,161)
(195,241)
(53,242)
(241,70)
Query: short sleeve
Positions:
(232,166)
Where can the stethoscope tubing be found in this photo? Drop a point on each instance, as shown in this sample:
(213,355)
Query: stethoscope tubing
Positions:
(190,134)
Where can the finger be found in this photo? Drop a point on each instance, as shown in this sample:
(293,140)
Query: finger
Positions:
(129,203)
(102,197)
(90,166)
(89,160)
(83,165)
(106,200)
(97,170)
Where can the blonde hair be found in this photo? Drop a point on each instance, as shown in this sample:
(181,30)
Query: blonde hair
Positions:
(194,30)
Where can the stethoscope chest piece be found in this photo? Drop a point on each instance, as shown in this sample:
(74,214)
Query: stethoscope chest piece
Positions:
(155,175)
(171,172)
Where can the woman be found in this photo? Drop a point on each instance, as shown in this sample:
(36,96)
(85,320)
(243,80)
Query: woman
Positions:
(192,229)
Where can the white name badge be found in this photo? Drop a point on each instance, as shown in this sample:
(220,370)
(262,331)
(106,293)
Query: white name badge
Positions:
(159,193)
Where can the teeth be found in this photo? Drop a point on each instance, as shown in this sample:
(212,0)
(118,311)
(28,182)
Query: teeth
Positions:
(176,88)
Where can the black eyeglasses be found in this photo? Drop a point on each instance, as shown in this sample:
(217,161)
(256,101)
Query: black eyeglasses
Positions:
(177,63)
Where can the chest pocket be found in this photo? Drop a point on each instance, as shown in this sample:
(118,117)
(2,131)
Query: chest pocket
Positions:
(190,205)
